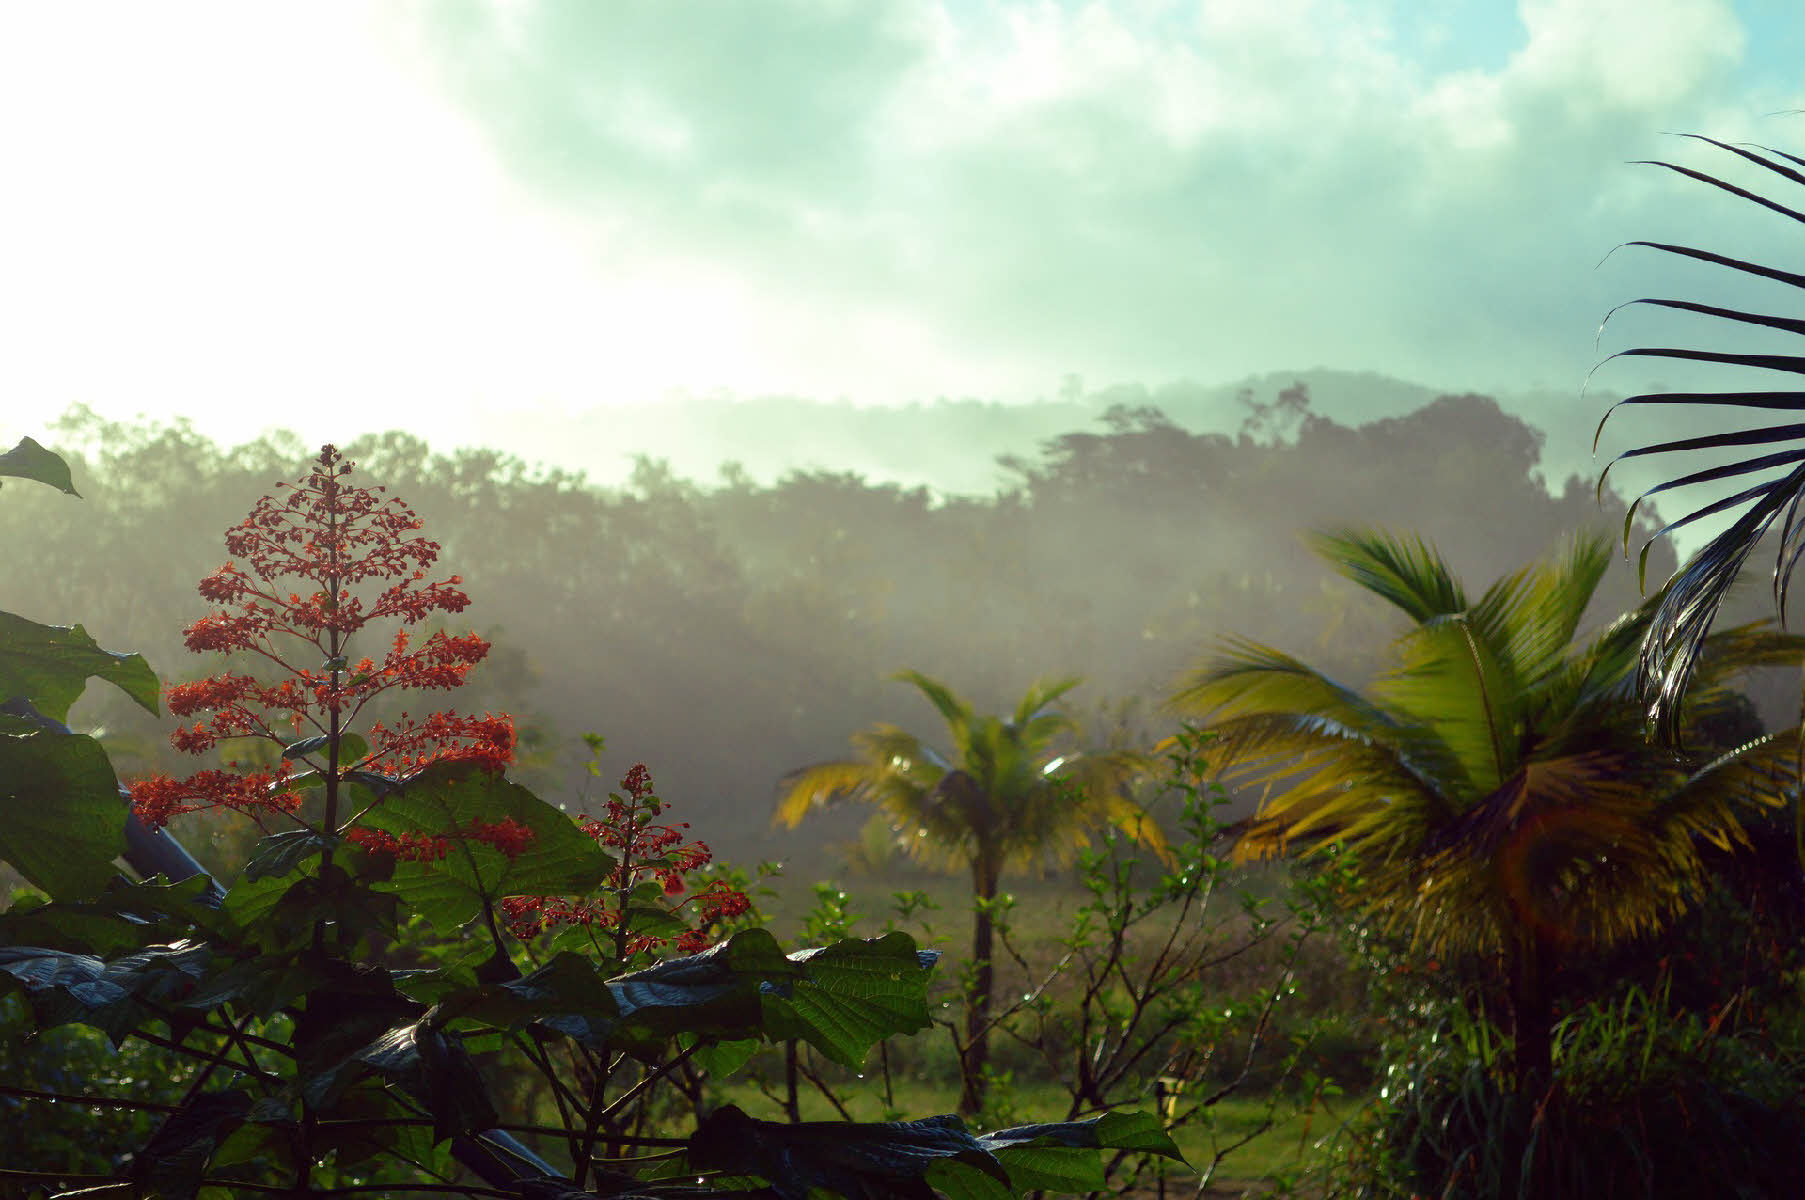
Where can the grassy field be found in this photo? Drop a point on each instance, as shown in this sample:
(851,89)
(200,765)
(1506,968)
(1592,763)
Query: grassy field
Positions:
(1250,1143)
(1263,1141)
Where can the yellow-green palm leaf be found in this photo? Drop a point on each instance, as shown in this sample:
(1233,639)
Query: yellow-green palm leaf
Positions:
(1493,784)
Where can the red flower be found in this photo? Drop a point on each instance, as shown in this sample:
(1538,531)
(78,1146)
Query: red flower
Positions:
(644,850)
(313,567)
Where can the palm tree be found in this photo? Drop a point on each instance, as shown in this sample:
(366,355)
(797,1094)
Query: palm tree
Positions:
(1007,797)
(1773,453)
(1494,788)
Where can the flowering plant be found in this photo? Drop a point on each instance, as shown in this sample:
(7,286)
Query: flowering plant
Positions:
(307,1064)
(309,557)
(641,906)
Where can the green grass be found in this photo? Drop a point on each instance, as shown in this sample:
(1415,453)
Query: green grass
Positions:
(1262,1139)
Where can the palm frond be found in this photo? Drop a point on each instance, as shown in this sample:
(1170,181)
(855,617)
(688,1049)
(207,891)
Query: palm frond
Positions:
(1405,572)
(1458,683)
(1246,676)
(1041,694)
(819,786)
(954,711)
(1693,597)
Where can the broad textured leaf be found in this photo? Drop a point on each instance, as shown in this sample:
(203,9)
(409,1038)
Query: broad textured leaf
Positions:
(1063,1156)
(347,1008)
(174,1161)
(714,993)
(720,1060)
(67,987)
(50,665)
(281,854)
(29,460)
(62,822)
(843,999)
(569,986)
(851,995)
(887,1161)
(561,859)
(116,920)
(436,1070)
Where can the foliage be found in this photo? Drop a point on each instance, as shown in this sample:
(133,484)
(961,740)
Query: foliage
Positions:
(1690,602)
(655,607)
(1012,794)
(1649,1103)
(316,1064)
(1493,790)
(1175,980)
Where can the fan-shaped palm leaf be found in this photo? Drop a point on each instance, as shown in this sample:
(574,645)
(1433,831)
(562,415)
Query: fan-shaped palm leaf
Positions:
(1691,600)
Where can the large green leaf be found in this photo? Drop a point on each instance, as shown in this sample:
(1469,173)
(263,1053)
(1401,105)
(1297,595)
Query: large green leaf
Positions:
(49,665)
(851,995)
(121,918)
(1063,1156)
(446,798)
(568,985)
(173,1163)
(887,1161)
(62,822)
(29,460)
(843,998)
(281,853)
(67,987)
(435,1069)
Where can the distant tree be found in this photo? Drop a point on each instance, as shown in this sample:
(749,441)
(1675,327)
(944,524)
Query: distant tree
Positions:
(1494,786)
(1012,794)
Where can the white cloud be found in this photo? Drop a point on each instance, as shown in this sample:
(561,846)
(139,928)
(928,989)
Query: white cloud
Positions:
(455,206)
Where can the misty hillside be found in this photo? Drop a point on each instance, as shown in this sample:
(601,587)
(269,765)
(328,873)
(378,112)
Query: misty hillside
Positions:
(729,629)
(951,445)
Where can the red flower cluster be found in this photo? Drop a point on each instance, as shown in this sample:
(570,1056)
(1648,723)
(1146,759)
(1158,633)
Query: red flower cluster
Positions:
(157,799)
(508,836)
(645,850)
(298,601)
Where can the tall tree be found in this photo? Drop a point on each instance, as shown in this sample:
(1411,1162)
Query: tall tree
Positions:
(1494,786)
(1014,793)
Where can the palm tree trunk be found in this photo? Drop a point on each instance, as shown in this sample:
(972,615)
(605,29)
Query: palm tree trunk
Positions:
(975,1056)
(1532,1015)
(1532,1039)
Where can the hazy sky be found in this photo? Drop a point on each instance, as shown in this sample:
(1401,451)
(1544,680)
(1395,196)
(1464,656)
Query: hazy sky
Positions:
(343,216)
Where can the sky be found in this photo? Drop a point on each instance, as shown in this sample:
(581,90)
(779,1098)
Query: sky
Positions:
(340,216)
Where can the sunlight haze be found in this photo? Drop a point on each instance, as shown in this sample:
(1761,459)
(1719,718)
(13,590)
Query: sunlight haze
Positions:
(347,217)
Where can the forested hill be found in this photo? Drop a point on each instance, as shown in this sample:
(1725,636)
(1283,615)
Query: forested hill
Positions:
(951,445)
(727,632)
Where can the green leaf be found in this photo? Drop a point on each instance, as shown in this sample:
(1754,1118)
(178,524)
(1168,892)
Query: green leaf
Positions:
(68,987)
(721,1059)
(62,822)
(351,747)
(174,1161)
(567,986)
(852,995)
(561,860)
(50,665)
(715,993)
(890,1159)
(119,919)
(1063,1156)
(281,854)
(29,460)
(843,999)
(435,1069)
